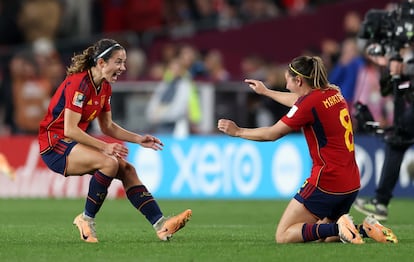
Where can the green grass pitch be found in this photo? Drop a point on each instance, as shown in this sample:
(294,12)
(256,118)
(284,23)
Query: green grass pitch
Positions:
(220,230)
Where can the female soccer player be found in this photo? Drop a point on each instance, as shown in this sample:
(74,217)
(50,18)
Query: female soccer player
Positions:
(68,149)
(319,211)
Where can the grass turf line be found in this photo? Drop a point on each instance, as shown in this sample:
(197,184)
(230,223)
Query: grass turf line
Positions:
(220,230)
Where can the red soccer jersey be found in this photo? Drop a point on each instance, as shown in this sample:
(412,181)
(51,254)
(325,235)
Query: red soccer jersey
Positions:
(79,94)
(324,117)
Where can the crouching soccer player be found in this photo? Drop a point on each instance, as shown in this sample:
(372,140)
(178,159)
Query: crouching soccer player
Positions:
(68,149)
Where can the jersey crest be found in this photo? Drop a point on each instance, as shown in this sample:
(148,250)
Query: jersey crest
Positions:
(78,99)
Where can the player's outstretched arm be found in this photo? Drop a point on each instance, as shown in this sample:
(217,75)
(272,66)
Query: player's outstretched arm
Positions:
(112,129)
(285,98)
(270,133)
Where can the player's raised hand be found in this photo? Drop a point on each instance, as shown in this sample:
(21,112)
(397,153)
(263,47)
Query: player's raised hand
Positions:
(150,141)
(228,127)
(257,86)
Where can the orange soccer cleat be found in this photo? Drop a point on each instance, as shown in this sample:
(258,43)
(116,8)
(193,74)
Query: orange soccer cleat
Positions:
(173,224)
(347,230)
(378,232)
(86,228)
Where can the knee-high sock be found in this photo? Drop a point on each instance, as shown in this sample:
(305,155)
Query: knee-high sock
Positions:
(98,189)
(311,232)
(142,200)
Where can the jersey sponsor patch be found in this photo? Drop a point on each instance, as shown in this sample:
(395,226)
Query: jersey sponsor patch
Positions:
(292,111)
(78,99)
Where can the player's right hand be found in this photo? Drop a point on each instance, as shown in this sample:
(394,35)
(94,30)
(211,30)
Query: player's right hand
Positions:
(257,86)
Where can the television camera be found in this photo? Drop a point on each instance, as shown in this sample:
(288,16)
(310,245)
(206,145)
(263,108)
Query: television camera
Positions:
(390,30)
(386,33)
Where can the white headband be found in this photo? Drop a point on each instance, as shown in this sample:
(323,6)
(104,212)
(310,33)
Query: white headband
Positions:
(107,50)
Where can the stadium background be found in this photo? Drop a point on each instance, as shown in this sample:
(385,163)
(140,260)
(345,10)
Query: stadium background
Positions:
(206,165)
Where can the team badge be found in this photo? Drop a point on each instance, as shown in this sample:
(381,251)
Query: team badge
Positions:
(78,99)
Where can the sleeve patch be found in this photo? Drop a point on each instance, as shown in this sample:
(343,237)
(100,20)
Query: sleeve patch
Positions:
(292,111)
(78,99)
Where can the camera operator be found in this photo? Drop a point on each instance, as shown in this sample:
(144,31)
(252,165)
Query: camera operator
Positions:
(398,82)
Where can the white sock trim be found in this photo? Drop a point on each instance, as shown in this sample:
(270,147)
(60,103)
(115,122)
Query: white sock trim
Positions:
(160,222)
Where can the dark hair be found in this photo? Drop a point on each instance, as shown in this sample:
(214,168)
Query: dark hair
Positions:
(312,70)
(88,58)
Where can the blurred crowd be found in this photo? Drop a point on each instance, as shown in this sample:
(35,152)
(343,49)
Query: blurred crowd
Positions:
(27,20)
(32,67)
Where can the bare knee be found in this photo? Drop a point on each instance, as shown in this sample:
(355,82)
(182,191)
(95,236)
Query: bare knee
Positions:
(126,169)
(127,174)
(288,236)
(110,166)
(281,239)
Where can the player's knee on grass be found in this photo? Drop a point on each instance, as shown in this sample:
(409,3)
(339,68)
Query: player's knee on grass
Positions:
(290,235)
(281,238)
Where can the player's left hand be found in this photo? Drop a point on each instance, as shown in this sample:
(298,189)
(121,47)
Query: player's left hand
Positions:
(149,141)
(116,149)
(228,127)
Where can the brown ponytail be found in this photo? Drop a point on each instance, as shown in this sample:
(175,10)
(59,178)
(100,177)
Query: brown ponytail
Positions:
(313,71)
